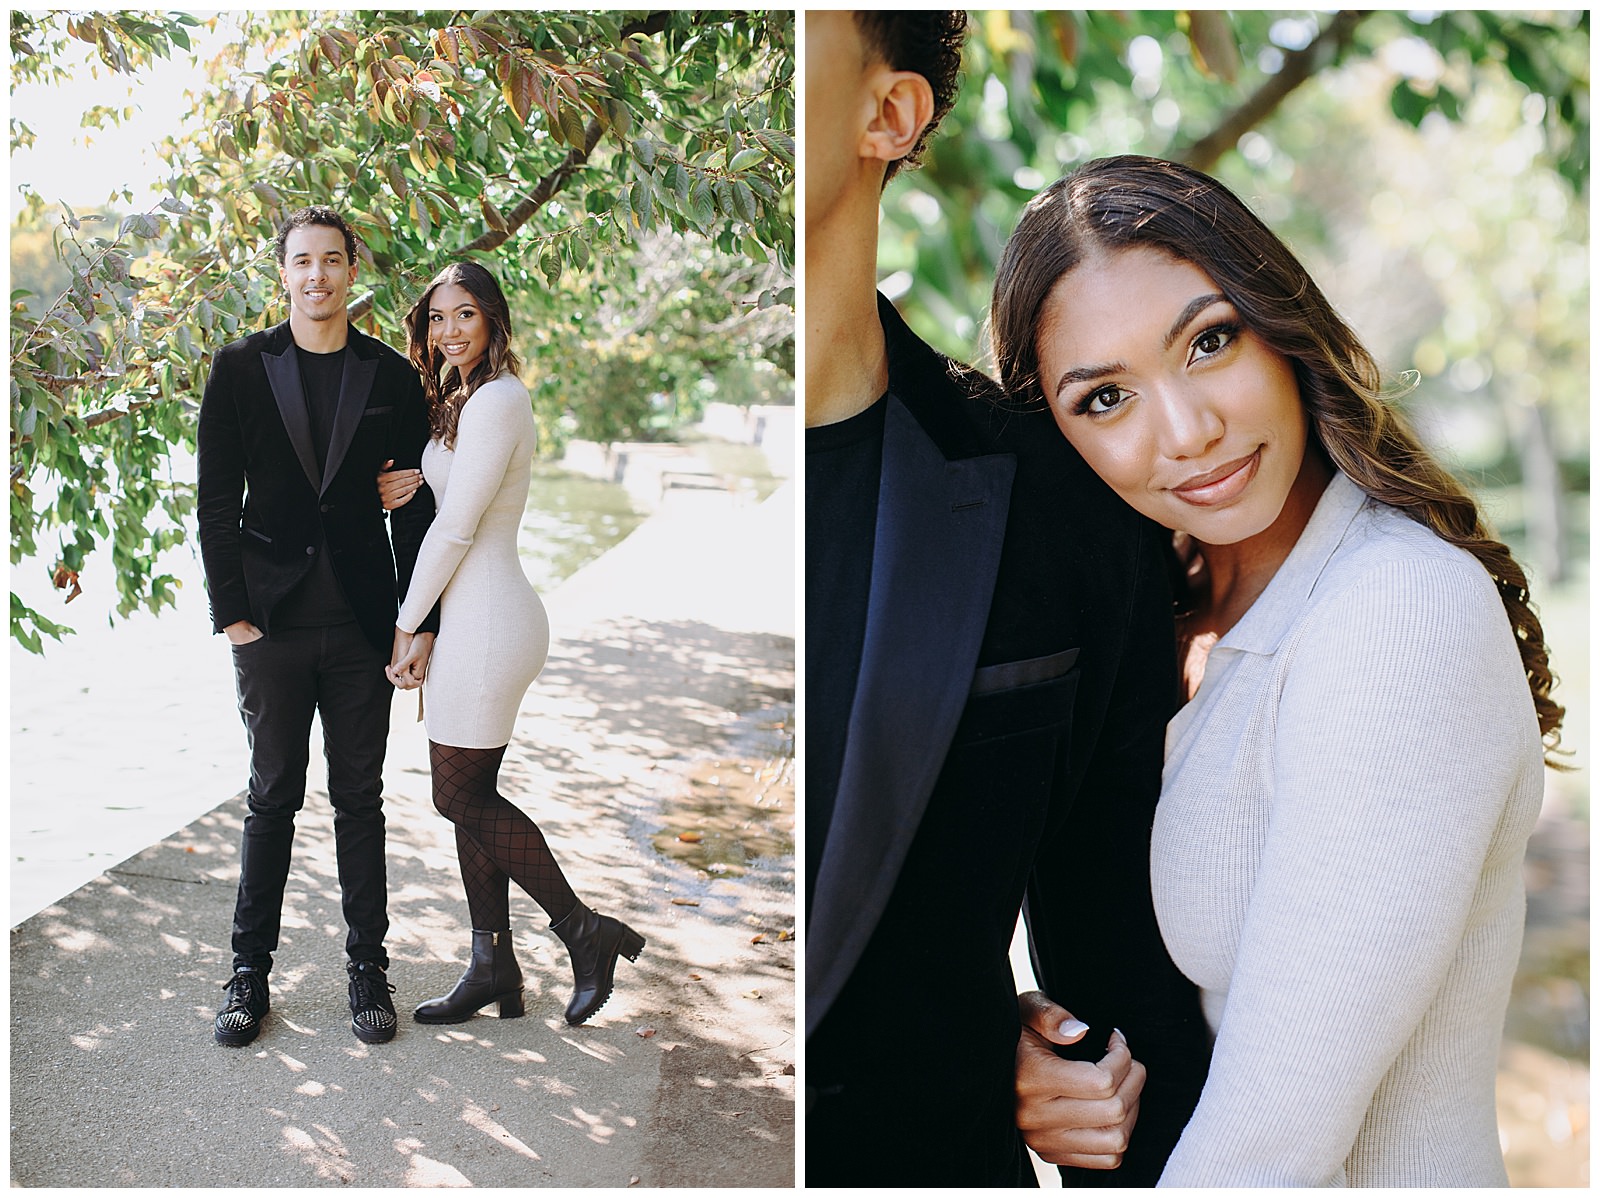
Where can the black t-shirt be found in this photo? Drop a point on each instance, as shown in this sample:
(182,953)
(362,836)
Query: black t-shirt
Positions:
(318,599)
(844,463)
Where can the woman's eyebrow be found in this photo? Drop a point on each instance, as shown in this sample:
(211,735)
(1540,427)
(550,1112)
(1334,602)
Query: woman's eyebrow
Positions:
(1085,374)
(1192,309)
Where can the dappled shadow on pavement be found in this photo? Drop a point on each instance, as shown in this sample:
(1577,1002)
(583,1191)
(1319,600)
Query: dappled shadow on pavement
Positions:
(684,1077)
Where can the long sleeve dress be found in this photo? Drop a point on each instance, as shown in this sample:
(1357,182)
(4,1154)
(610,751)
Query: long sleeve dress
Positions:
(1337,862)
(493,632)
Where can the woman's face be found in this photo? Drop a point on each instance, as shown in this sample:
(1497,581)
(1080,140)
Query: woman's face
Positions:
(1188,416)
(457,327)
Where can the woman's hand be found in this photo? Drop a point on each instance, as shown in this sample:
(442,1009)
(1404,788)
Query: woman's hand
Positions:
(1078,1113)
(397,487)
(408,663)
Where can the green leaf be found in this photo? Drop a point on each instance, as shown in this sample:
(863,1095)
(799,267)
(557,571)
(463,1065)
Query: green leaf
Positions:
(572,125)
(1407,104)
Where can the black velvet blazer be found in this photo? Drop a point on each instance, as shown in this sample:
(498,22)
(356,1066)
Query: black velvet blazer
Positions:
(1005,739)
(264,513)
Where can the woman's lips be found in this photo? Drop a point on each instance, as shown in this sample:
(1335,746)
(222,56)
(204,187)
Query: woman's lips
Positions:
(1225,483)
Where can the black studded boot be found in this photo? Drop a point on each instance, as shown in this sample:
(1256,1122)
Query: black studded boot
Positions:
(492,975)
(594,943)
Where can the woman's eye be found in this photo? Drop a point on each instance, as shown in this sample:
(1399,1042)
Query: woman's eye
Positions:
(1097,403)
(1213,341)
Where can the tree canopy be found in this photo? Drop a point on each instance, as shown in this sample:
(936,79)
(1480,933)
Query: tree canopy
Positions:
(568,151)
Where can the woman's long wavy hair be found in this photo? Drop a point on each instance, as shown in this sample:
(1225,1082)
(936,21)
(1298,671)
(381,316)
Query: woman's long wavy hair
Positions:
(447,392)
(1115,203)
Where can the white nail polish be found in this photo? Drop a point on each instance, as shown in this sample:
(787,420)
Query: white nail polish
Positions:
(1072,1027)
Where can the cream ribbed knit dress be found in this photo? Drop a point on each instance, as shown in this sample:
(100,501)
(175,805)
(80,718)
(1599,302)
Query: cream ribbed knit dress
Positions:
(1337,862)
(493,633)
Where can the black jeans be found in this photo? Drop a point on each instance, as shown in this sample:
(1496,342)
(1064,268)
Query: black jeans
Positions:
(282,679)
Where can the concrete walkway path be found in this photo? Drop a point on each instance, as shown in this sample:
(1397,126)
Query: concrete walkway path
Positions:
(661,674)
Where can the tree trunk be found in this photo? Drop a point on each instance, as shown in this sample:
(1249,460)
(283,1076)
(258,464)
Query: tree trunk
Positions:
(1544,515)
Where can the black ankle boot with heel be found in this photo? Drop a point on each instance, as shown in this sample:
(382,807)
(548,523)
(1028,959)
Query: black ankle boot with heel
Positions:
(493,975)
(594,943)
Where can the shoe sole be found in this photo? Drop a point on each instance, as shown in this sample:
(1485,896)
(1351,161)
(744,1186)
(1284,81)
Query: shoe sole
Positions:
(370,1037)
(236,1039)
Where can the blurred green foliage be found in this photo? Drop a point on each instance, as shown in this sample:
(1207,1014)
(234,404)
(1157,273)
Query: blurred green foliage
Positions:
(1431,170)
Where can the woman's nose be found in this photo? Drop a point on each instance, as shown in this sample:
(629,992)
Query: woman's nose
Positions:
(1190,423)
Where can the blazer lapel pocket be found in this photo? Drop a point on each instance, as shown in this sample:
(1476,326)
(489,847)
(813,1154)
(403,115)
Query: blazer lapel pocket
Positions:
(1010,674)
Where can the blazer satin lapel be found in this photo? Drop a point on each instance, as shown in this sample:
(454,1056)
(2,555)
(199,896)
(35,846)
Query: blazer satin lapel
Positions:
(939,532)
(283,372)
(354,388)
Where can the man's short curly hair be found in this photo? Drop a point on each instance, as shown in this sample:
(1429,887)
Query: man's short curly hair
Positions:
(928,43)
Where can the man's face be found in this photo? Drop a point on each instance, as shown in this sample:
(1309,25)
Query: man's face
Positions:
(839,107)
(317,272)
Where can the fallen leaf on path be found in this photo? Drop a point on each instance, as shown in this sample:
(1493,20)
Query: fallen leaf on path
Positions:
(787,1070)
(633,1181)
(785,936)
(694,977)
(685,902)
(645,1033)
(691,837)
(759,938)
(752,994)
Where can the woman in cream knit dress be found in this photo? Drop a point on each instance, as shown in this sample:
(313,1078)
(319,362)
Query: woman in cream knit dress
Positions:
(1357,764)
(492,640)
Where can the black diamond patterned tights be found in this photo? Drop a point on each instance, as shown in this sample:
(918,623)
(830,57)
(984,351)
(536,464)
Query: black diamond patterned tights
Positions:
(496,841)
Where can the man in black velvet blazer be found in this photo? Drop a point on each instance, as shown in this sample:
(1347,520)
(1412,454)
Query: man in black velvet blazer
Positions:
(295,425)
(990,668)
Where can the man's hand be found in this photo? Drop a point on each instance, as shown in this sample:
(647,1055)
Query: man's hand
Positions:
(242,632)
(397,487)
(408,664)
(1077,1113)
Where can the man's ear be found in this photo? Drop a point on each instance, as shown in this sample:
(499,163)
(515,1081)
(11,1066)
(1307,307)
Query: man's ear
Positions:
(904,108)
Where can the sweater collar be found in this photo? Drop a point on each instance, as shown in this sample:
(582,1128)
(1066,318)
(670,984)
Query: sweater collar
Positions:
(1270,617)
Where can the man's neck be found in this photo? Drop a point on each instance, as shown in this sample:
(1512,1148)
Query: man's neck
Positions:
(847,365)
(319,336)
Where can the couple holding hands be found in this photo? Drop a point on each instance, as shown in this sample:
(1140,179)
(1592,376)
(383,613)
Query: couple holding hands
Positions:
(1183,549)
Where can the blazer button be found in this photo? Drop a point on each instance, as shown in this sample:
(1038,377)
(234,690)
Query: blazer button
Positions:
(327,507)
(310,550)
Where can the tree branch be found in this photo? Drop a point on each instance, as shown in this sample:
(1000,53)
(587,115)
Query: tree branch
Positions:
(540,195)
(546,187)
(1298,66)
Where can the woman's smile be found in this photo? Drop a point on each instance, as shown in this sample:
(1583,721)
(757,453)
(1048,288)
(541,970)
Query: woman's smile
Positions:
(1222,485)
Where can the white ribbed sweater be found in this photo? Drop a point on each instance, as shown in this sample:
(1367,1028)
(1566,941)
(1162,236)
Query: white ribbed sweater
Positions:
(493,632)
(1337,863)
